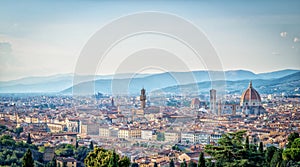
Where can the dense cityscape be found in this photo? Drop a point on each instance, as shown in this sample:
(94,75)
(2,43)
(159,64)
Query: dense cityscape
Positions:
(67,128)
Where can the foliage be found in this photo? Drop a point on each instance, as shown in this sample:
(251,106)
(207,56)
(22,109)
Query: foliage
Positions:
(29,139)
(124,162)
(269,154)
(102,158)
(183,164)
(201,161)
(233,151)
(91,145)
(172,164)
(136,165)
(160,136)
(291,138)
(11,152)
(27,160)
(192,164)
(277,158)
(113,160)
(18,131)
(261,147)
(52,163)
(81,152)
(65,150)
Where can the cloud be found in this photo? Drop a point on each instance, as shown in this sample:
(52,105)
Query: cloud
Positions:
(275,53)
(296,39)
(283,34)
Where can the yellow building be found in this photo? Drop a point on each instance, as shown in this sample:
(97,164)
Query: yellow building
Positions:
(123,133)
(104,131)
(135,133)
(55,128)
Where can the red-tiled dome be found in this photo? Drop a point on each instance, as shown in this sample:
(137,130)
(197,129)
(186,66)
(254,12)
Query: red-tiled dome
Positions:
(250,95)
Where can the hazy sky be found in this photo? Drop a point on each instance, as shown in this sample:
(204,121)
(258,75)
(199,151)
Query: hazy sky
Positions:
(40,38)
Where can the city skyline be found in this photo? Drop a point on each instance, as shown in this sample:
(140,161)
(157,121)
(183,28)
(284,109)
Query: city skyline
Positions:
(46,38)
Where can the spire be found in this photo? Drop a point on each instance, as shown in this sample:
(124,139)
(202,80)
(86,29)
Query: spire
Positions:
(250,84)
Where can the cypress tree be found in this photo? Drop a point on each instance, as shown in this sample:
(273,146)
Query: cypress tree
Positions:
(91,145)
(247,146)
(113,161)
(172,164)
(76,146)
(261,147)
(29,139)
(201,161)
(27,160)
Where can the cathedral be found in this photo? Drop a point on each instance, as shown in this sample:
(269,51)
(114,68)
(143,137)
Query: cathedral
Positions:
(251,101)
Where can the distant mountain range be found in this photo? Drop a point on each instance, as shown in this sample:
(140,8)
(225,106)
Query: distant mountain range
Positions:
(236,80)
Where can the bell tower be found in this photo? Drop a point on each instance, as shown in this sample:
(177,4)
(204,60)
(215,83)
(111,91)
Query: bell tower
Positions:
(143,98)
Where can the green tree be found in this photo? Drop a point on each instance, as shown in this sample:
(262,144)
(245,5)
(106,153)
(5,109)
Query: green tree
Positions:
(81,152)
(91,145)
(76,145)
(18,131)
(293,153)
(113,161)
(291,138)
(134,165)
(261,147)
(230,149)
(52,163)
(192,164)
(201,161)
(27,160)
(29,139)
(172,164)
(269,154)
(103,158)
(160,136)
(296,143)
(277,158)
(183,164)
(65,150)
(124,162)
(247,145)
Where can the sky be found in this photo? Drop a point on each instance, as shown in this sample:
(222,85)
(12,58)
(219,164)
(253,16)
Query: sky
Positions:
(42,38)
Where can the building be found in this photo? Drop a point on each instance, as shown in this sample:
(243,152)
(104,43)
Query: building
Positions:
(89,129)
(195,104)
(73,124)
(68,137)
(55,127)
(201,138)
(104,131)
(146,134)
(143,98)
(48,154)
(123,133)
(213,101)
(187,137)
(66,161)
(172,136)
(251,101)
(135,133)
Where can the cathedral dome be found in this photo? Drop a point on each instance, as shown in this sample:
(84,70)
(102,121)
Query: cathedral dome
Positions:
(250,97)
